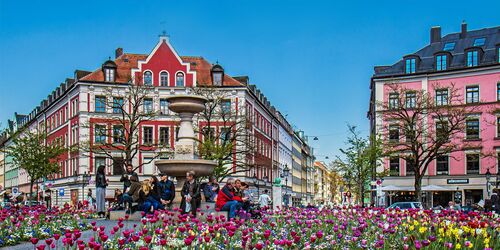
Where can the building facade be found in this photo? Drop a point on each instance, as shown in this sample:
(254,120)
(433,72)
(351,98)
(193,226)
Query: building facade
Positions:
(469,62)
(76,112)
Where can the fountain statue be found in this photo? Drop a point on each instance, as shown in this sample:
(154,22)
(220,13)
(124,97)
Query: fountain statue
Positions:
(185,158)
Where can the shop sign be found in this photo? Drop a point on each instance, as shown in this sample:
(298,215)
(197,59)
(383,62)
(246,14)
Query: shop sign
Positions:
(458,181)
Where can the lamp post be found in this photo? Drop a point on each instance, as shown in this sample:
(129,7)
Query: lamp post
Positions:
(85,181)
(285,173)
(256,183)
(488,178)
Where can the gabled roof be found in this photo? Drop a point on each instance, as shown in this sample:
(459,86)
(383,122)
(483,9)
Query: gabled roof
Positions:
(427,53)
(126,62)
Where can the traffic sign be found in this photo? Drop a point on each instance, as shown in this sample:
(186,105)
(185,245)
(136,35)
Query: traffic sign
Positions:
(15,190)
(61,191)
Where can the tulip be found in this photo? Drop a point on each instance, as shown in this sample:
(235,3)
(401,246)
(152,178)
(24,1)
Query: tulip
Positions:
(34,240)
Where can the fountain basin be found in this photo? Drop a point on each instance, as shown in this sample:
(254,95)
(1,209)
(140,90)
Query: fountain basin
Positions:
(178,168)
(186,103)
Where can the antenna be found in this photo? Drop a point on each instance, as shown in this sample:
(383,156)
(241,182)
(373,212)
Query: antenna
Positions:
(164,30)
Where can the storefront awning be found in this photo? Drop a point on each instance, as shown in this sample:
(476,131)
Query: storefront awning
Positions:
(411,188)
(436,188)
(397,188)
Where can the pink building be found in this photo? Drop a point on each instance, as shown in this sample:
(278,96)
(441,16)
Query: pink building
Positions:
(468,60)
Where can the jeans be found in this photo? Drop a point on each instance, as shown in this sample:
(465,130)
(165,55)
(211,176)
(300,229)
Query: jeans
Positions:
(128,199)
(100,199)
(231,206)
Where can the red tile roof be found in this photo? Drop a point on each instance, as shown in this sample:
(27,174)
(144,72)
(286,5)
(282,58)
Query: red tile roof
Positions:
(126,62)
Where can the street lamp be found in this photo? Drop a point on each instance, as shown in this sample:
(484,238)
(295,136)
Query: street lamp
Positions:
(285,173)
(256,183)
(217,73)
(488,177)
(85,181)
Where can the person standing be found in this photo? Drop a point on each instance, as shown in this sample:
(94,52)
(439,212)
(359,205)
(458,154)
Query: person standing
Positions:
(264,199)
(126,177)
(495,201)
(101,183)
(191,197)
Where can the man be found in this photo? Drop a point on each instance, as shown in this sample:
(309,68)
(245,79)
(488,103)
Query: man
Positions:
(167,189)
(126,177)
(495,201)
(211,189)
(191,196)
(227,201)
(264,199)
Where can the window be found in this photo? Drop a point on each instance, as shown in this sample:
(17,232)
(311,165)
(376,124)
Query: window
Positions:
(99,133)
(442,165)
(441,61)
(472,128)
(498,54)
(472,163)
(118,134)
(393,100)
(394,133)
(99,161)
(410,169)
(449,46)
(225,106)
(472,94)
(394,166)
(148,105)
(225,135)
(163,79)
(100,104)
(147,135)
(208,133)
(410,132)
(148,78)
(472,58)
(498,91)
(109,75)
(179,79)
(163,106)
(177,133)
(441,97)
(410,65)
(479,41)
(411,98)
(164,136)
(442,130)
(498,127)
(117,105)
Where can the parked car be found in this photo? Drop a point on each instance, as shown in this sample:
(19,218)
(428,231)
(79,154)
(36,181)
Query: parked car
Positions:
(406,205)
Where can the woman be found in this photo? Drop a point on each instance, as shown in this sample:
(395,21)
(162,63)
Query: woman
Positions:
(155,195)
(191,197)
(100,183)
(144,194)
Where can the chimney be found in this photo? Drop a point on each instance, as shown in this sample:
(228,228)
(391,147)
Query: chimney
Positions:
(435,34)
(118,52)
(463,34)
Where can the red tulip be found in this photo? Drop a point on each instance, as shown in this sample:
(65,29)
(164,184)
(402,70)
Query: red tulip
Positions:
(34,240)
(40,247)
(104,238)
(148,239)
(49,241)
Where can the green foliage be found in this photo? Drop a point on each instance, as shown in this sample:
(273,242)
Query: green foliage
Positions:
(31,152)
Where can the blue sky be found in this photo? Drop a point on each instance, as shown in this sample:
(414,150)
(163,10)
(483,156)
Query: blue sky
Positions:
(312,59)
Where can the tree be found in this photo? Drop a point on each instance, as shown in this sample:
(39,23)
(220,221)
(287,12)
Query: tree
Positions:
(226,134)
(131,106)
(356,163)
(31,151)
(431,126)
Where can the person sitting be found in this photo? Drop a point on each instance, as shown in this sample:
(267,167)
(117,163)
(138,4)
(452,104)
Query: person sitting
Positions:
(167,190)
(210,190)
(227,200)
(117,201)
(132,194)
(144,201)
(191,197)
(246,194)
(155,194)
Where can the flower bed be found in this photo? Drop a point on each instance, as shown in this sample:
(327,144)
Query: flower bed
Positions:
(33,223)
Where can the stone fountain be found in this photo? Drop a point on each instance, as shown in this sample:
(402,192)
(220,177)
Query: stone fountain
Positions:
(184,156)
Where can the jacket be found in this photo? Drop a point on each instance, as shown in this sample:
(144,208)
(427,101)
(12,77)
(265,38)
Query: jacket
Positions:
(126,180)
(225,195)
(167,189)
(195,196)
(100,181)
(134,189)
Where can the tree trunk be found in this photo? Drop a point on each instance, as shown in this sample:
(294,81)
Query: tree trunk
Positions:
(362,196)
(31,192)
(418,188)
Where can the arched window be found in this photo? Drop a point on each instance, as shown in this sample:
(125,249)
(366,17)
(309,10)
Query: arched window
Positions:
(163,79)
(148,78)
(179,79)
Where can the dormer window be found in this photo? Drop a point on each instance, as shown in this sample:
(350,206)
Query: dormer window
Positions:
(179,79)
(164,79)
(411,64)
(217,73)
(109,71)
(442,60)
(148,78)
(472,58)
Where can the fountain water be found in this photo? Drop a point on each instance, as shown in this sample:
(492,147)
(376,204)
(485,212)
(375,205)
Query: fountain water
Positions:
(184,156)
